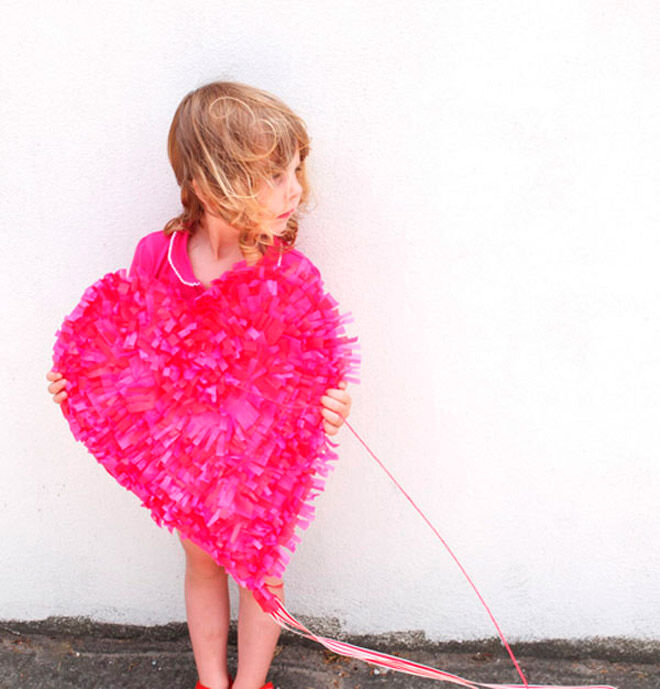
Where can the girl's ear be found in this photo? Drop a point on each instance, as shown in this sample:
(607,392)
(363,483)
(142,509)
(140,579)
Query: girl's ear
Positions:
(195,187)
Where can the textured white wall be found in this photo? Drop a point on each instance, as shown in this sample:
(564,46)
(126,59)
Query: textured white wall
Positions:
(486,181)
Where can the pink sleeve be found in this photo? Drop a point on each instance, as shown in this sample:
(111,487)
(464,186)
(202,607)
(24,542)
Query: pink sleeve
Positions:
(306,264)
(143,258)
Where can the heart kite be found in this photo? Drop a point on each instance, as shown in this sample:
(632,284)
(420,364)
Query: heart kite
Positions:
(208,410)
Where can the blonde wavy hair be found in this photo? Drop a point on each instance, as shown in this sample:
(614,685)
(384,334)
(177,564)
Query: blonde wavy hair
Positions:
(230,137)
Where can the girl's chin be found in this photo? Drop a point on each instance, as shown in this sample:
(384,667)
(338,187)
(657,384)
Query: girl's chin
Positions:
(278,227)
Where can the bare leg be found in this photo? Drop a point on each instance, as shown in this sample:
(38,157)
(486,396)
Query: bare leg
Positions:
(208,613)
(257,638)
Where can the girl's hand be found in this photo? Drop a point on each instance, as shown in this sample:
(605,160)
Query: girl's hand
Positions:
(336,404)
(56,388)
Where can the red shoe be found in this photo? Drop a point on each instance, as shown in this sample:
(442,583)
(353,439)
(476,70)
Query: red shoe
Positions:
(199,685)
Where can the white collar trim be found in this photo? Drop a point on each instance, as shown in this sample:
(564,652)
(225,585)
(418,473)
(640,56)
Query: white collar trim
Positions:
(171,262)
(178,274)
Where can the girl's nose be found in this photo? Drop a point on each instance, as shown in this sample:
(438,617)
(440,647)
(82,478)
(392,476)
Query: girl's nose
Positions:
(295,189)
(294,185)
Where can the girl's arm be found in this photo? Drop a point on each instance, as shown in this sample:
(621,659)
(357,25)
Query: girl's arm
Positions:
(336,406)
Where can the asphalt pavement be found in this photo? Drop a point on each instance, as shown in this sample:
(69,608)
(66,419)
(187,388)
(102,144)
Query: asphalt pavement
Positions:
(75,653)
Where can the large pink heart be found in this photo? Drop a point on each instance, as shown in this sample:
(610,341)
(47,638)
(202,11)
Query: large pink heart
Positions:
(209,409)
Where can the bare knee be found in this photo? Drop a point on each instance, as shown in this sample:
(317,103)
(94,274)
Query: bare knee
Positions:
(199,562)
(274,583)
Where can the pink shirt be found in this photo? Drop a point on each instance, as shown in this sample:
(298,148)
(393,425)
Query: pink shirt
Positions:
(166,258)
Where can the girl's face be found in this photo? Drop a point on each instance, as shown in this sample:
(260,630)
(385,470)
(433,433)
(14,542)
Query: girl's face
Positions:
(281,195)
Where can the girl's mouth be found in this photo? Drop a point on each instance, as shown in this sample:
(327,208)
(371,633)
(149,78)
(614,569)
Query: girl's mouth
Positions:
(287,214)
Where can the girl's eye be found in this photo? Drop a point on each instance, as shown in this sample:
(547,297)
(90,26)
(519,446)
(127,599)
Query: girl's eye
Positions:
(278,175)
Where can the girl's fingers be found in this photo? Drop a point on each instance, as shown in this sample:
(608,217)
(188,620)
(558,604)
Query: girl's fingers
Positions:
(57,386)
(331,403)
(342,407)
(335,398)
(331,417)
(336,416)
(337,393)
(55,376)
(329,428)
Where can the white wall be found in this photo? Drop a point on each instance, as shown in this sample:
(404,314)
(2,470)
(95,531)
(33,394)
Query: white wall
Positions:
(486,181)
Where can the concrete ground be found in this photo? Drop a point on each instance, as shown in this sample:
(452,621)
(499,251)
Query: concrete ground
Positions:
(68,653)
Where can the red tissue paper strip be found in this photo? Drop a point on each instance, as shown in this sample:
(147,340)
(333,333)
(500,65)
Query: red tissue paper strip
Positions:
(209,410)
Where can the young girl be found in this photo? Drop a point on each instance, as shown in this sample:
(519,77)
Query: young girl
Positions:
(238,154)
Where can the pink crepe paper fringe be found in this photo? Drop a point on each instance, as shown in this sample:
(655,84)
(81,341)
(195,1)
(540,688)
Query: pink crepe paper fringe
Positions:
(209,410)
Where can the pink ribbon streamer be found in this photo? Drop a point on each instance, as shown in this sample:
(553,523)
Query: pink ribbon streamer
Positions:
(287,621)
